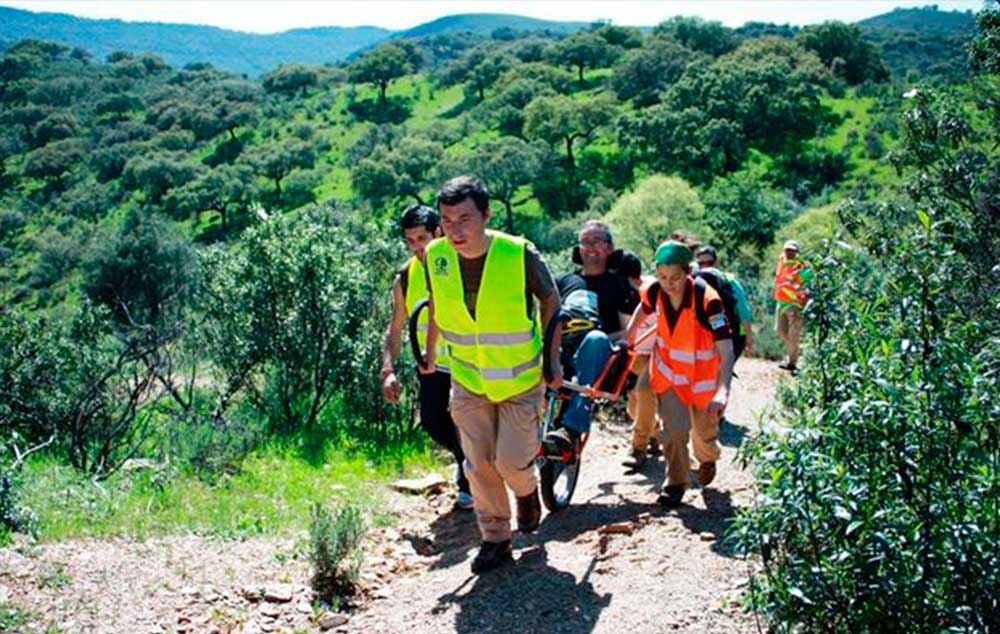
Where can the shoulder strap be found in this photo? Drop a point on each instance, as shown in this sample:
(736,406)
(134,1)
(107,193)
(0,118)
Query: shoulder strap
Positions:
(652,293)
(699,302)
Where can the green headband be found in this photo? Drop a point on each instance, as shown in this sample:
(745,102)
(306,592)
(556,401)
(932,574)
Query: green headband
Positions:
(673,252)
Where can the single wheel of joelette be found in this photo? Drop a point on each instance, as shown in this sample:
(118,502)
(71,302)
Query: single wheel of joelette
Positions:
(558,481)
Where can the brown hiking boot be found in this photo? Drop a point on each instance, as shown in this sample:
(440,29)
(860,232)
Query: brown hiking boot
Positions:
(491,555)
(529,512)
(671,496)
(706,473)
(636,459)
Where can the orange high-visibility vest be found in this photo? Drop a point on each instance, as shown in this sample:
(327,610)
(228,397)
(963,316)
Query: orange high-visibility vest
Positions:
(685,359)
(788,286)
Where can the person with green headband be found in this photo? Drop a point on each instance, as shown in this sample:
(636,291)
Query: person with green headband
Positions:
(691,367)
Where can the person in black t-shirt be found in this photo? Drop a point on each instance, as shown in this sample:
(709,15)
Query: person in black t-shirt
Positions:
(615,302)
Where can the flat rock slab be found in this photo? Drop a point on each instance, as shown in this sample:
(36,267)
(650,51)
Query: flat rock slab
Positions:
(430,483)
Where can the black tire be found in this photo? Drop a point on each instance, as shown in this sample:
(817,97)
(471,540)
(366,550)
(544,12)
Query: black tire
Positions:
(558,483)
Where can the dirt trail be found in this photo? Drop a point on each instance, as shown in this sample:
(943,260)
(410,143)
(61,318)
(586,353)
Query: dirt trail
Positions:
(672,573)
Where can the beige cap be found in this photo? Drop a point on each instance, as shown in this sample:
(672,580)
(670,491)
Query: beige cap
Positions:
(791,244)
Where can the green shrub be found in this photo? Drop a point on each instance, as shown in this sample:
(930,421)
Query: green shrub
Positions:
(335,551)
(296,316)
(878,510)
(658,206)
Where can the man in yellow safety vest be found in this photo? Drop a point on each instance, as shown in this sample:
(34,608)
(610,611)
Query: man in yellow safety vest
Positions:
(483,290)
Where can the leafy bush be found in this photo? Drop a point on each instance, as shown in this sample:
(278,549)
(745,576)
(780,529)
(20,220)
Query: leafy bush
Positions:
(658,206)
(335,551)
(744,213)
(76,379)
(879,509)
(296,315)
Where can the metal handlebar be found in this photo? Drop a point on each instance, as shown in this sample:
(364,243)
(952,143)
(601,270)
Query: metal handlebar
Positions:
(418,354)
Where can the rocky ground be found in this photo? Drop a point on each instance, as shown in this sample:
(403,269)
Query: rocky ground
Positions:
(614,561)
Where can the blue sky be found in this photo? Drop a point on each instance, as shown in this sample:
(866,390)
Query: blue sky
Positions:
(268,16)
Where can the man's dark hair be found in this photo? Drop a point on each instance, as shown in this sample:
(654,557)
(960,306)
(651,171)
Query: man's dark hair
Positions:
(708,250)
(686,238)
(461,187)
(630,266)
(601,226)
(420,216)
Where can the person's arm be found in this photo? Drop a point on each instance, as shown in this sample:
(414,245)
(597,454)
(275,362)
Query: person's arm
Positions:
(539,281)
(724,348)
(627,303)
(744,311)
(631,329)
(390,348)
(550,309)
(430,354)
(723,335)
(643,309)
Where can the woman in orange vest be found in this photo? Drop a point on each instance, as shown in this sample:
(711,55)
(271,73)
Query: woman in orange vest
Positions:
(691,367)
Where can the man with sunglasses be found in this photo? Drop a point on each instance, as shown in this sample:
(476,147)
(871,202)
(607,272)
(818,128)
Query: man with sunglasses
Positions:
(616,300)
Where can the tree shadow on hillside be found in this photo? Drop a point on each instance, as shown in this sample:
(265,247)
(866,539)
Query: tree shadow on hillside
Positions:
(528,596)
(392,110)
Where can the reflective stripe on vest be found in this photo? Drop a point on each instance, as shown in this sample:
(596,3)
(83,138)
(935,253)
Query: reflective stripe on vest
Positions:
(416,291)
(498,354)
(685,359)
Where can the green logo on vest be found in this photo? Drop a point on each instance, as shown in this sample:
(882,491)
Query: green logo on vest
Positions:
(441,266)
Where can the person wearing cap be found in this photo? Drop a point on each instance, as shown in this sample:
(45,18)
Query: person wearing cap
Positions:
(790,294)
(420,224)
(642,401)
(691,366)
(491,298)
(707,259)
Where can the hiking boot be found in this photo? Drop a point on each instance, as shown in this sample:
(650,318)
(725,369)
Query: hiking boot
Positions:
(671,496)
(563,439)
(463,502)
(529,512)
(654,448)
(706,473)
(492,555)
(791,367)
(636,459)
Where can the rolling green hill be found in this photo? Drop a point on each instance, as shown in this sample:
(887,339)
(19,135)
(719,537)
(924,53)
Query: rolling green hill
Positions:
(181,44)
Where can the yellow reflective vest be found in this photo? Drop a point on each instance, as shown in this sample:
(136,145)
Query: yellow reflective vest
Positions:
(499,353)
(416,290)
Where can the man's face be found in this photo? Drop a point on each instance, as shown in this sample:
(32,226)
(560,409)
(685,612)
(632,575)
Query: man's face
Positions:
(791,254)
(594,248)
(672,278)
(706,262)
(417,239)
(465,227)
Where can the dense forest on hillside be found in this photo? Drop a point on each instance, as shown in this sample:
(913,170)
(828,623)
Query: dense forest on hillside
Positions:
(133,192)
(195,262)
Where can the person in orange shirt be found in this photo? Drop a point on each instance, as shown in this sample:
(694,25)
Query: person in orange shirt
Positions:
(791,297)
(691,366)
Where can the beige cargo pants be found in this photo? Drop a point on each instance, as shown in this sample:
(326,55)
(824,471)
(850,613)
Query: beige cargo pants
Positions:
(500,442)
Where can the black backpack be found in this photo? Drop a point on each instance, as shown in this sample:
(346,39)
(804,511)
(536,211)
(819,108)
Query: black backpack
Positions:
(722,286)
(580,315)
